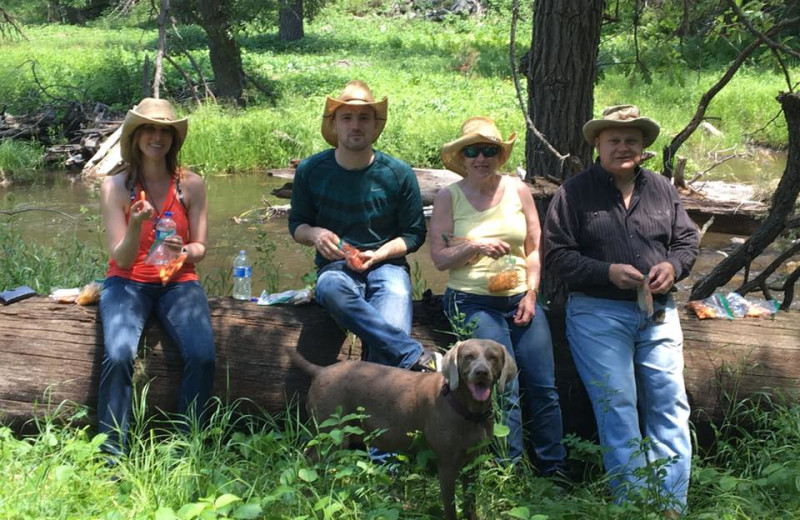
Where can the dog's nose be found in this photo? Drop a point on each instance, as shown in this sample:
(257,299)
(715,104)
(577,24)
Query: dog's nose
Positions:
(481,370)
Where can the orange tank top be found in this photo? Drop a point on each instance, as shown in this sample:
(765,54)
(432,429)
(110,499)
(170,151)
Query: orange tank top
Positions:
(146,273)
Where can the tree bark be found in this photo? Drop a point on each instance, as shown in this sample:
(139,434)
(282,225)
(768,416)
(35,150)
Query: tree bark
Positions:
(561,77)
(224,53)
(783,204)
(290,20)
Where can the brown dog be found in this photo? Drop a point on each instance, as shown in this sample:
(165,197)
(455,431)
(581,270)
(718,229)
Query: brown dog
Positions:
(453,409)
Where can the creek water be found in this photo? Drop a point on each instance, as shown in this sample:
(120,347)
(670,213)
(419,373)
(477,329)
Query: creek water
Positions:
(236,195)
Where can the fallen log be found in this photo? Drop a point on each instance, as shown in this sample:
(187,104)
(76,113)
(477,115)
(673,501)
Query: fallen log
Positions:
(50,353)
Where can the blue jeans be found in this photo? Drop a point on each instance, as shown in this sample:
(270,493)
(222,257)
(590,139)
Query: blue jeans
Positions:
(375,306)
(183,311)
(532,348)
(633,372)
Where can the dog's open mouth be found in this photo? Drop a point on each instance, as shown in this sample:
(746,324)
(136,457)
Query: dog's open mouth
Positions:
(480,391)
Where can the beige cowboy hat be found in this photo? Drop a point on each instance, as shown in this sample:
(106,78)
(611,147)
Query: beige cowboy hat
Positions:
(355,93)
(150,111)
(622,116)
(475,130)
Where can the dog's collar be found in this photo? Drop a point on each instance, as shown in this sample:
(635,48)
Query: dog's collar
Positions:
(459,407)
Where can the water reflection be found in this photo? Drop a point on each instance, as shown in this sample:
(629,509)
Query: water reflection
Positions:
(232,196)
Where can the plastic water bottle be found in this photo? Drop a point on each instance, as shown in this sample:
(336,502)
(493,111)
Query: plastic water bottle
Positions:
(242,273)
(164,228)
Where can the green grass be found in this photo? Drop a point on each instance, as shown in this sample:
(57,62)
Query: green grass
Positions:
(20,160)
(66,262)
(435,74)
(246,466)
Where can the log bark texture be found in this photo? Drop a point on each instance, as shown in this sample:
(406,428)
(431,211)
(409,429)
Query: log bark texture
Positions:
(50,353)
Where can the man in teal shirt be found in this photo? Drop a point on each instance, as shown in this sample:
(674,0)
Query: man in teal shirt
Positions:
(362,211)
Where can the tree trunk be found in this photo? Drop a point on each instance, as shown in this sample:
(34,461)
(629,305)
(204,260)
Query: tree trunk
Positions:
(783,205)
(290,20)
(226,58)
(561,76)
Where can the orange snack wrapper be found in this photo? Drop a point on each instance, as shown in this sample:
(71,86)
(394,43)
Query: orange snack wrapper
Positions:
(352,256)
(172,267)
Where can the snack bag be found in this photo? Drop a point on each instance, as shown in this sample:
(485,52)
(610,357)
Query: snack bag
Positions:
(502,274)
(644,298)
(762,308)
(352,256)
(90,293)
(172,267)
(715,306)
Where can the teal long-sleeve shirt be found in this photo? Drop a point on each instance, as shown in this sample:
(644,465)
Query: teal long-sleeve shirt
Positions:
(366,208)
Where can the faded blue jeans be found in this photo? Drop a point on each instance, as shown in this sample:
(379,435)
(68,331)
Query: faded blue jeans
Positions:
(534,389)
(375,306)
(633,372)
(183,311)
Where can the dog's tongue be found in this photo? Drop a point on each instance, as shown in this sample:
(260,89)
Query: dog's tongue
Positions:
(480,393)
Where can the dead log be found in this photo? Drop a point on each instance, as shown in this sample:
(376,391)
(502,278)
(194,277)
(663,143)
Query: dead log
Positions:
(50,353)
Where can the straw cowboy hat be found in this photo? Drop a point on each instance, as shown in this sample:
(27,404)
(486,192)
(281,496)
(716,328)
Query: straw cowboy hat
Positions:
(355,93)
(475,130)
(622,116)
(150,111)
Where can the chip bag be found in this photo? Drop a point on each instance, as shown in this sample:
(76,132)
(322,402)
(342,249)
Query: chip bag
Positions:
(502,274)
(173,266)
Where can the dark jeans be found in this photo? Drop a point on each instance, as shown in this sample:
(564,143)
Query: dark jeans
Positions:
(532,348)
(183,311)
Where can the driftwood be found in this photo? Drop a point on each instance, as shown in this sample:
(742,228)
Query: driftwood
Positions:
(51,352)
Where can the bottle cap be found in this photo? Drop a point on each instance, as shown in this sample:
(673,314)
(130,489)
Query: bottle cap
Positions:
(242,252)
(167,213)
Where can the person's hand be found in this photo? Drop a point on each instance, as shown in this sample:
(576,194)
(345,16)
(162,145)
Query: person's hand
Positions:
(625,276)
(141,210)
(364,260)
(662,277)
(327,243)
(526,309)
(491,247)
(174,243)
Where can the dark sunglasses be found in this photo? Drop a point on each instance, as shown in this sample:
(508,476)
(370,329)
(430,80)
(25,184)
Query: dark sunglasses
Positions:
(473,151)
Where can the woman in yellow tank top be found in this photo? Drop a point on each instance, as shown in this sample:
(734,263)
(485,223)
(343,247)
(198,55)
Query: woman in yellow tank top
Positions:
(485,230)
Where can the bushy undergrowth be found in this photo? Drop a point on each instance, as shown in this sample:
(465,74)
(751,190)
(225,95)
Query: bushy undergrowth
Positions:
(67,262)
(256,466)
(436,74)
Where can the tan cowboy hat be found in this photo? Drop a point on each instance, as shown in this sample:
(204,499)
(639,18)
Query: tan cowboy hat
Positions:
(475,130)
(622,116)
(355,93)
(150,111)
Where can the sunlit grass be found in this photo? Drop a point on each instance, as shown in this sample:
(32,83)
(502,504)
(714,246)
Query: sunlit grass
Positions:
(436,74)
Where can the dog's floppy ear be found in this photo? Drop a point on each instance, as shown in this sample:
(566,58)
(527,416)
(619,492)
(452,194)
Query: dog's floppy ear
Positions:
(450,366)
(509,370)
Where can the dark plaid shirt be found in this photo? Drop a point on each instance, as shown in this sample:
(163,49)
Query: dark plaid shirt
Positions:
(588,228)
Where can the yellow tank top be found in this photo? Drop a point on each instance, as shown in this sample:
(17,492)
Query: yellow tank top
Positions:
(505,221)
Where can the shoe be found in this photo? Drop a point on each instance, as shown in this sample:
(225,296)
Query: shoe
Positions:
(429,361)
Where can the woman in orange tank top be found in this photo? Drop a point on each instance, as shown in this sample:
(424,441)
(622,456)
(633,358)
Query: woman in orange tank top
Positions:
(133,202)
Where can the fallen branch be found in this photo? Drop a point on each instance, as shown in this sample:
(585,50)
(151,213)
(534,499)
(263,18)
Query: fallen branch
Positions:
(24,210)
(717,163)
(671,149)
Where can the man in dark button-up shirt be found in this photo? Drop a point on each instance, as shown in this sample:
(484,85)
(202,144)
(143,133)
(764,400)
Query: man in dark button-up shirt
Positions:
(614,232)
